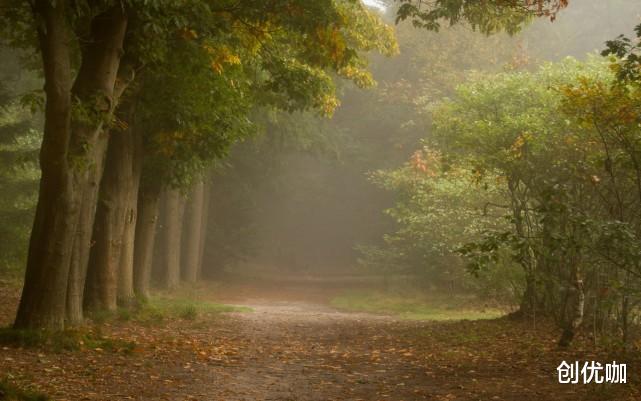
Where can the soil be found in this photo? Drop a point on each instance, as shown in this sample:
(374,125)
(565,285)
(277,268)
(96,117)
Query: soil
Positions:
(293,346)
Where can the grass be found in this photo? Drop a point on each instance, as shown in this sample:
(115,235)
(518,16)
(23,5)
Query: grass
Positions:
(188,309)
(151,312)
(158,308)
(59,341)
(414,306)
(9,392)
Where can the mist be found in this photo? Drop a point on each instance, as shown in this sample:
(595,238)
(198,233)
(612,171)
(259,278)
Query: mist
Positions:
(345,200)
(307,202)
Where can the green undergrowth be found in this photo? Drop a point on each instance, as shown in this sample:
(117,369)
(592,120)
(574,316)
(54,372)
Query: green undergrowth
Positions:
(190,308)
(415,306)
(159,308)
(67,340)
(10,392)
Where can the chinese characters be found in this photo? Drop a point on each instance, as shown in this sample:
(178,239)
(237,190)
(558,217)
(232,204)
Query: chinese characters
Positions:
(592,372)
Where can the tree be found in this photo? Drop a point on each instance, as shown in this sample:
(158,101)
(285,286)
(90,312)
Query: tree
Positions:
(488,17)
(74,115)
(562,141)
(252,69)
(432,193)
(79,106)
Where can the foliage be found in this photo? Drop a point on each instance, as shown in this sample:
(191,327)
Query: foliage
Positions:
(233,57)
(261,55)
(203,113)
(488,17)
(628,56)
(19,145)
(556,153)
(562,142)
(301,161)
(431,194)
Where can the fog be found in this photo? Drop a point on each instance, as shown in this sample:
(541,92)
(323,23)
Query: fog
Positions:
(351,200)
(304,201)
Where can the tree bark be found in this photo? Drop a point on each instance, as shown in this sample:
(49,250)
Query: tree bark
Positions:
(205,224)
(67,153)
(110,273)
(576,298)
(192,233)
(126,292)
(173,217)
(82,240)
(148,210)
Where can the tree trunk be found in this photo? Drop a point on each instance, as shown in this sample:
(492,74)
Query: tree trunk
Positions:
(126,293)
(66,153)
(205,223)
(148,208)
(173,217)
(82,241)
(96,87)
(528,305)
(108,262)
(192,233)
(526,256)
(574,318)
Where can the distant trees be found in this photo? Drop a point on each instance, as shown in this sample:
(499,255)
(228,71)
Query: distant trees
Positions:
(268,181)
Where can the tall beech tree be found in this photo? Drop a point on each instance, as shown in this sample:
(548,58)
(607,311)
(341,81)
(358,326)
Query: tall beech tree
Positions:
(76,110)
(110,270)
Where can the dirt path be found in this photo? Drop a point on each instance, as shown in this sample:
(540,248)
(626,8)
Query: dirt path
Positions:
(290,350)
(302,351)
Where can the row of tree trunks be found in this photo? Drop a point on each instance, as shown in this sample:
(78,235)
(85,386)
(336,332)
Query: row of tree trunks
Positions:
(93,235)
(66,159)
(177,225)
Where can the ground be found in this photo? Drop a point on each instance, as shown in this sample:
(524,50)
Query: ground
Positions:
(293,345)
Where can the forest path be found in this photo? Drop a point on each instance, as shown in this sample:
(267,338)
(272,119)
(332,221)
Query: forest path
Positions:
(294,347)
(304,351)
